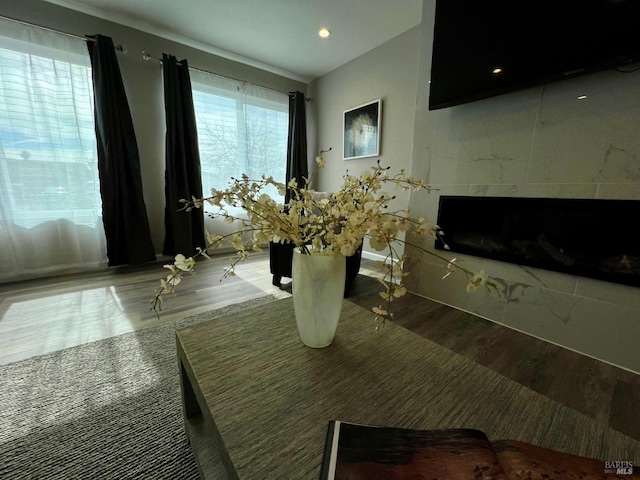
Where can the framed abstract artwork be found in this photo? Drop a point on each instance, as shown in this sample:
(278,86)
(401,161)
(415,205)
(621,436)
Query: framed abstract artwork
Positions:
(362,130)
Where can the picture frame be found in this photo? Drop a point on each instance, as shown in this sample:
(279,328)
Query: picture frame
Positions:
(361,130)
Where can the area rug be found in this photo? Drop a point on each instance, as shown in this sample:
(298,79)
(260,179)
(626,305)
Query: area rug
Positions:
(109,409)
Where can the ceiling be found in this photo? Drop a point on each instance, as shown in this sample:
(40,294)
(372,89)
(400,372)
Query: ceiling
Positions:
(280,36)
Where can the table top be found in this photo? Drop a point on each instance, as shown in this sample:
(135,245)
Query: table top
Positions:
(271,397)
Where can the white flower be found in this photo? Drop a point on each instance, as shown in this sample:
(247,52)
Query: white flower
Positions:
(214,238)
(399,291)
(386,295)
(480,278)
(167,286)
(264,198)
(380,311)
(378,243)
(237,242)
(183,263)
(403,224)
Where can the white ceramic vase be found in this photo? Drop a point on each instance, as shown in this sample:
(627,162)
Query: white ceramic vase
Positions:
(318,290)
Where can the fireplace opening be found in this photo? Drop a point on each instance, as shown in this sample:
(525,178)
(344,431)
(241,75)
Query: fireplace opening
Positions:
(592,238)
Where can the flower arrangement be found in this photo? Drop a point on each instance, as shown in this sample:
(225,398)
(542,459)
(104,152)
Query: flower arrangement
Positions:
(318,226)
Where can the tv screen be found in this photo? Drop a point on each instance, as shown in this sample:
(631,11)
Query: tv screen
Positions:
(486,48)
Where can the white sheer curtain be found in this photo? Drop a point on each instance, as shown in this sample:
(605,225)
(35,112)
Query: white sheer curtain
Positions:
(241,129)
(50,207)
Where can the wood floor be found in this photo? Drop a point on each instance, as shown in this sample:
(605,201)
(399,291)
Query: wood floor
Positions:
(45,315)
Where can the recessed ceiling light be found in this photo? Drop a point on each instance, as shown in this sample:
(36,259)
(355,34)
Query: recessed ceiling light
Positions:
(324,32)
(496,71)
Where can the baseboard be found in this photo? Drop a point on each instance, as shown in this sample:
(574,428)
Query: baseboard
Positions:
(373,256)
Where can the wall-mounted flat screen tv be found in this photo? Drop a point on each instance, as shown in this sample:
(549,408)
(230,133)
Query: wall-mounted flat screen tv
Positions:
(486,48)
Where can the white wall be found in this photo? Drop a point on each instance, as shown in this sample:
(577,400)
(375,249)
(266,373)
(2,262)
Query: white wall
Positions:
(540,142)
(388,72)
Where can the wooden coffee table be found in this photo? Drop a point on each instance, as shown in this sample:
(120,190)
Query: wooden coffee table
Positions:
(257,401)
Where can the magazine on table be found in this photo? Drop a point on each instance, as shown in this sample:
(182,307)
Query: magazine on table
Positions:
(369,452)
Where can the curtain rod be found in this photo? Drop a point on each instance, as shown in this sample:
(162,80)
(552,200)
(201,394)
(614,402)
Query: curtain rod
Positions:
(121,47)
(147,56)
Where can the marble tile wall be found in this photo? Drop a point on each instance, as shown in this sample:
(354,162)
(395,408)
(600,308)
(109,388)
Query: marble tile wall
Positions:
(539,142)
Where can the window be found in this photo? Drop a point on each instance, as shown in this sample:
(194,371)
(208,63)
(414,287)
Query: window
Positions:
(50,205)
(241,129)
(47,138)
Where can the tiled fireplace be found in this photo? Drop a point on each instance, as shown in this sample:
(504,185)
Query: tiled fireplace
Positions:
(586,237)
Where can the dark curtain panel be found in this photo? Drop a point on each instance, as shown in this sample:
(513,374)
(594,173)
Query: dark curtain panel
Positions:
(124,213)
(280,254)
(184,230)
(297,141)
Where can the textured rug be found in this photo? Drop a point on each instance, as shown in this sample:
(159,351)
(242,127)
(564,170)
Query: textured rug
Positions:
(109,409)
